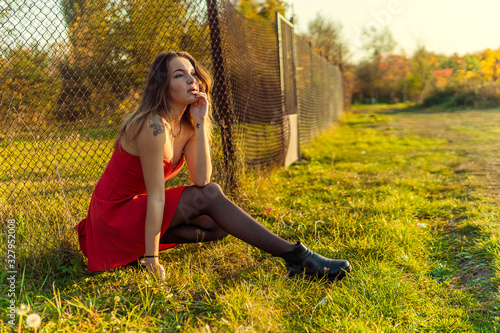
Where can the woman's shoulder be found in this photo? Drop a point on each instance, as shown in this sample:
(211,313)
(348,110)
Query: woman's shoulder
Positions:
(156,123)
(152,127)
(152,130)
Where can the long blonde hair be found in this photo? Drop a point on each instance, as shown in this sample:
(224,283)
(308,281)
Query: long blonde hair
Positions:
(155,98)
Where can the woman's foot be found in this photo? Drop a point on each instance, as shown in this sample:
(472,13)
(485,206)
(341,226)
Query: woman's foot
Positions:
(315,265)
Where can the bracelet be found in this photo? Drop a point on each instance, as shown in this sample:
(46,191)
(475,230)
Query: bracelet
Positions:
(150,256)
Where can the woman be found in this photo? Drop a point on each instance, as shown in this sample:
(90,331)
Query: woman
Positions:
(132,215)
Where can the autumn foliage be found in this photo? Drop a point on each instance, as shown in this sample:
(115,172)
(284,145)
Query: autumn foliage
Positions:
(471,80)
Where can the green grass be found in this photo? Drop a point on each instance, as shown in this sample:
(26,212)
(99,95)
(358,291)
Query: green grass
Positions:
(410,197)
(379,106)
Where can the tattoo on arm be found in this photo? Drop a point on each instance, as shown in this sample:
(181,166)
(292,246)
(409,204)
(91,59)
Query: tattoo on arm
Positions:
(197,125)
(157,125)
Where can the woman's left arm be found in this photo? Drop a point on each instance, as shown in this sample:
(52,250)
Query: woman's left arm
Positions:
(197,149)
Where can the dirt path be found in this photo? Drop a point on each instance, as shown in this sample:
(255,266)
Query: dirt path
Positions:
(473,133)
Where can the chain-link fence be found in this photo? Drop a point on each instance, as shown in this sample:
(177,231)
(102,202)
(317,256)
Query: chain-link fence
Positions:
(71,69)
(320,93)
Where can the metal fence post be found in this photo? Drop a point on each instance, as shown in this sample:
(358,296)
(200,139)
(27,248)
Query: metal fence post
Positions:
(286,56)
(220,94)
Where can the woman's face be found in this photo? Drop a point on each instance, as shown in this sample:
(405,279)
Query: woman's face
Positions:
(183,83)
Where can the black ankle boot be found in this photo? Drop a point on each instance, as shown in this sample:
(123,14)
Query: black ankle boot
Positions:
(315,265)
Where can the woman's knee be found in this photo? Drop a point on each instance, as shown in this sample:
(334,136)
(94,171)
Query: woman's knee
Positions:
(206,195)
(211,190)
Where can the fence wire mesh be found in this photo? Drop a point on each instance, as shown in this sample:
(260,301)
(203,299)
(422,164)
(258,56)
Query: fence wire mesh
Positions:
(71,69)
(250,52)
(320,92)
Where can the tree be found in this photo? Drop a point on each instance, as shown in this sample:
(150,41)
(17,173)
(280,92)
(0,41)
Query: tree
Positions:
(422,64)
(490,65)
(11,23)
(350,83)
(28,87)
(393,71)
(112,44)
(269,8)
(87,71)
(390,82)
(326,38)
(364,77)
(71,9)
(263,10)
(249,8)
(377,44)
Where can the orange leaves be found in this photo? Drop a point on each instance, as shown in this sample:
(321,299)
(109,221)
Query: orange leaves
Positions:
(393,69)
(442,76)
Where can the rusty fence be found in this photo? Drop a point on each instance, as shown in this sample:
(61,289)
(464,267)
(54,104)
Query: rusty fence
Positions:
(71,69)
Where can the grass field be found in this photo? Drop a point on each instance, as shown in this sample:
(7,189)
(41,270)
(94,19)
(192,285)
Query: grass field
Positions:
(410,197)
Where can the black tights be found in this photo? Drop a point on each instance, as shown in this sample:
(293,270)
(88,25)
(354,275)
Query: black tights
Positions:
(206,214)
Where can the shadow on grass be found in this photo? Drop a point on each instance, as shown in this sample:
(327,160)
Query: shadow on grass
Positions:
(60,267)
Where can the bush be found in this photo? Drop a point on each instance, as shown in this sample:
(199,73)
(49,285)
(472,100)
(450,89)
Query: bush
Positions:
(28,86)
(468,96)
(440,97)
(486,95)
(467,99)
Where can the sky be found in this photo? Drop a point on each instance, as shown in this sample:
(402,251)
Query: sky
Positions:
(443,26)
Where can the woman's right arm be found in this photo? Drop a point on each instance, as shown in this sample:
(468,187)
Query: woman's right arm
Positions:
(150,143)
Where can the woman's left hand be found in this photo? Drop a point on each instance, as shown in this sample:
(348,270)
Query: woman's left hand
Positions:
(155,267)
(199,109)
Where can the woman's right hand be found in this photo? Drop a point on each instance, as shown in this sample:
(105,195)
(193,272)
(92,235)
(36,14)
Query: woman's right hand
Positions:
(153,265)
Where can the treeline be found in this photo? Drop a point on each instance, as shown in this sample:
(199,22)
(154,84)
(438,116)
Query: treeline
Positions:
(383,76)
(100,68)
(428,78)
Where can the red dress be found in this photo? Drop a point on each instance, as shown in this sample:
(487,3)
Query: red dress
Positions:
(112,235)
